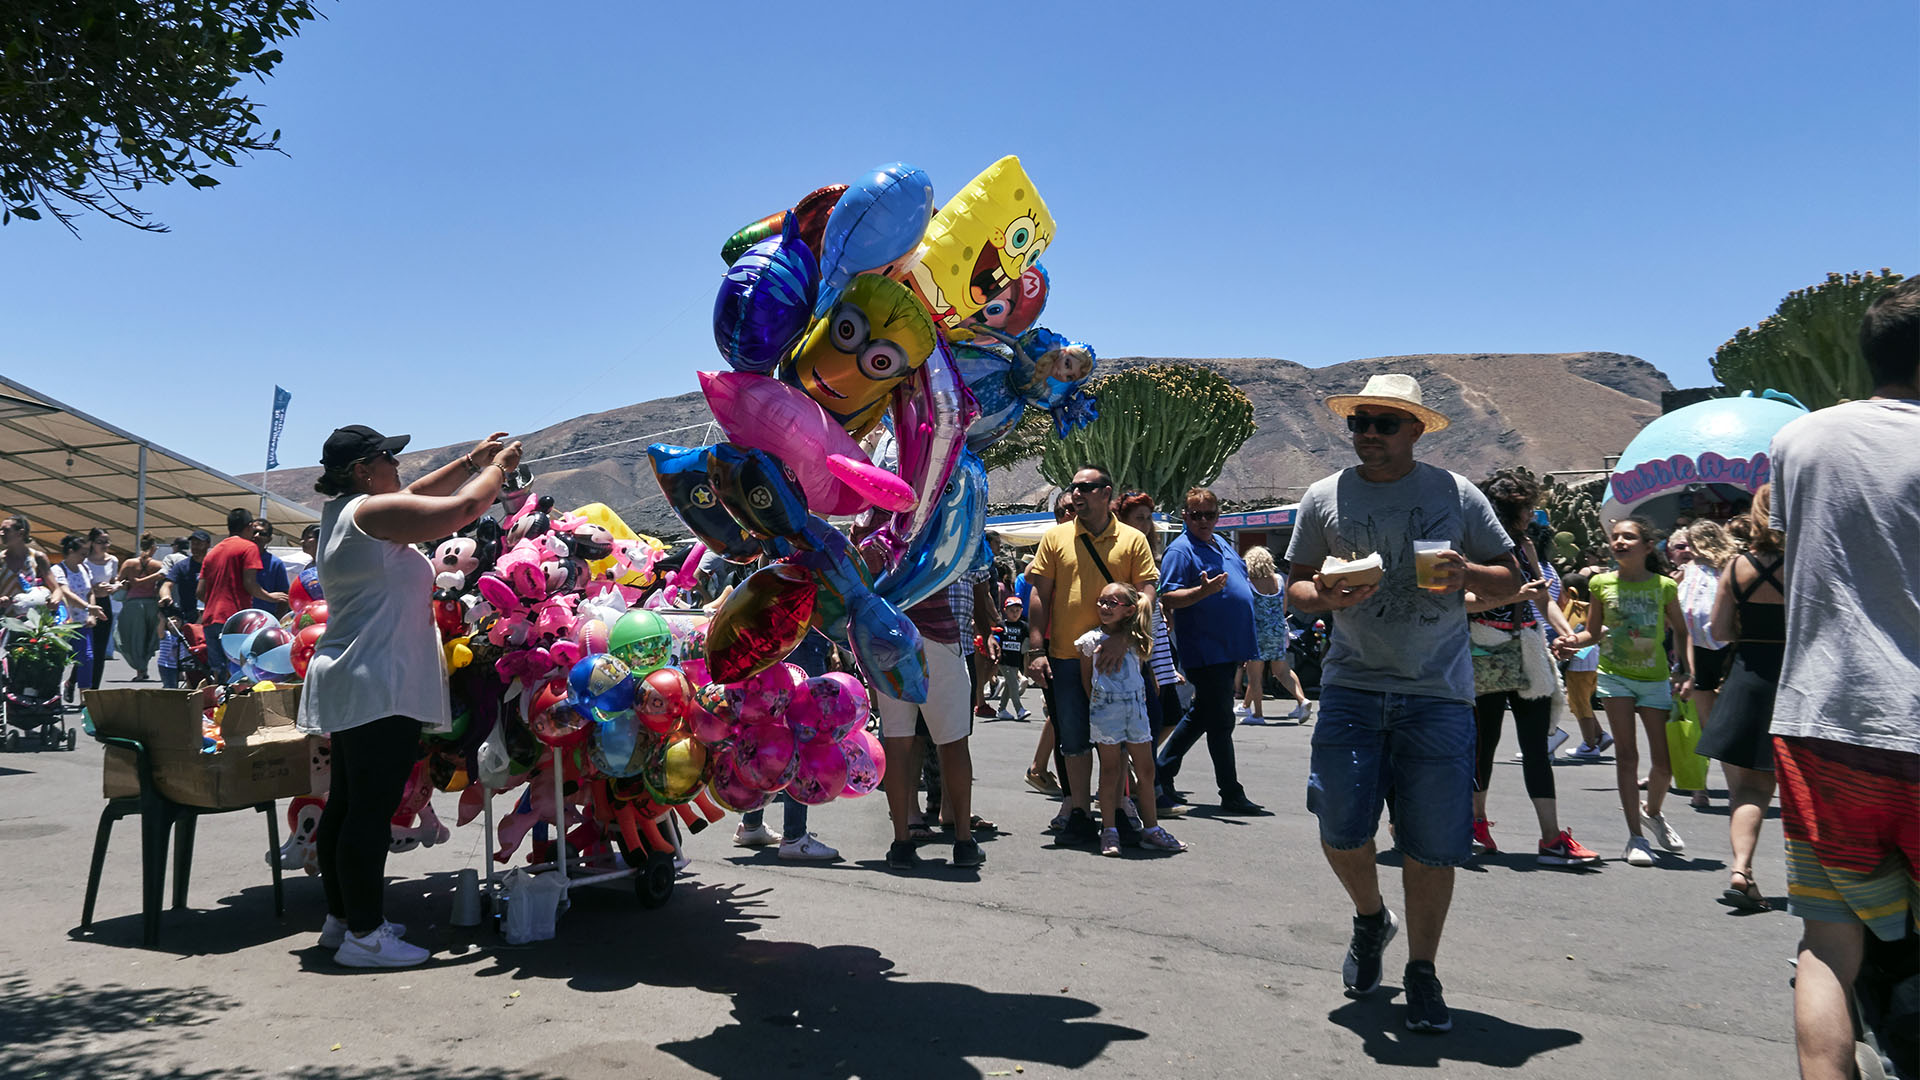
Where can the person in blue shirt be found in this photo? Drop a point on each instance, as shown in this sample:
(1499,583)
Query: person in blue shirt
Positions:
(273,572)
(1204,586)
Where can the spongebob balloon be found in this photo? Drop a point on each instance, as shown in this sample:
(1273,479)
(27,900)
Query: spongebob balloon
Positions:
(850,360)
(980,243)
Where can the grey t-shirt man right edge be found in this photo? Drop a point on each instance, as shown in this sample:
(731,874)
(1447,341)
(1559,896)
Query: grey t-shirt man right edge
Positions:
(1402,639)
(1846,492)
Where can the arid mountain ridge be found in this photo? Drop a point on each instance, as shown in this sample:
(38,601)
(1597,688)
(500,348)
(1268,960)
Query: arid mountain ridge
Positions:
(1547,411)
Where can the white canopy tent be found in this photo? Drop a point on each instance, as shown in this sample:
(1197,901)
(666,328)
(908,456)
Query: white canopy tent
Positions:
(68,472)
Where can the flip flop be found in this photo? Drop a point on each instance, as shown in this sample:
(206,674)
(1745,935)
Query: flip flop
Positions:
(976,823)
(920,830)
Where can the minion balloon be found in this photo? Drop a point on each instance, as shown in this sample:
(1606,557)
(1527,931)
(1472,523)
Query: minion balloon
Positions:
(850,360)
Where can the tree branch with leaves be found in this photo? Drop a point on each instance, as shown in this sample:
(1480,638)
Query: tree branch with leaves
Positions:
(100,98)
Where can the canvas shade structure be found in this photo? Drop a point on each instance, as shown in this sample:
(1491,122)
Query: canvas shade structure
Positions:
(67,472)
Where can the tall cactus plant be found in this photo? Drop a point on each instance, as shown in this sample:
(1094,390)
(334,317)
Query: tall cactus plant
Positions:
(1163,428)
(1810,347)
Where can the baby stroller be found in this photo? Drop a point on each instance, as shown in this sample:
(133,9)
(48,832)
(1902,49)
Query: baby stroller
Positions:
(1307,640)
(191,654)
(33,656)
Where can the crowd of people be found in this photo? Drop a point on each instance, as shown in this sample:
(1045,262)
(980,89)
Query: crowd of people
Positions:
(1792,632)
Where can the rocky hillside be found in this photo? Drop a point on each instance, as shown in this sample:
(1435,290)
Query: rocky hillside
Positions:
(1546,411)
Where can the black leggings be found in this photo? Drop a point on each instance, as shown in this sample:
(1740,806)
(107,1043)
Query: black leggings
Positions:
(371,764)
(102,633)
(1532,719)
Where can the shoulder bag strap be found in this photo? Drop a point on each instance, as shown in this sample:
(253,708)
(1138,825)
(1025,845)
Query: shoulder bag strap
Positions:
(1098,563)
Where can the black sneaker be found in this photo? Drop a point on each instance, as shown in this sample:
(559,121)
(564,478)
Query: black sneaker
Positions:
(1371,933)
(1080,828)
(1240,804)
(968,853)
(902,856)
(1426,1009)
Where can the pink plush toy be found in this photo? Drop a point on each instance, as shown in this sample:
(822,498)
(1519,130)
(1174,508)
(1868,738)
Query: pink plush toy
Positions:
(415,824)
(536,804)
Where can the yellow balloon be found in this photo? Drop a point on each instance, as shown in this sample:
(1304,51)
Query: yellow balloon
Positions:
(459,655)
(263,686)
(980,243)
(686,767)
(850,361)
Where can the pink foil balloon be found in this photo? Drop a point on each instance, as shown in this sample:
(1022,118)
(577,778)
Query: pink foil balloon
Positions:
(707,727)
(766,755)
(696,671)
(821,776)
(803,714)
(762,413)
(731,790)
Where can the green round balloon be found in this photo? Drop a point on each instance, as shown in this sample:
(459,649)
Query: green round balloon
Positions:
(640,639)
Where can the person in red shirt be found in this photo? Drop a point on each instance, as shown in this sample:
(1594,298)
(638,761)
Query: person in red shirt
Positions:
(229,582)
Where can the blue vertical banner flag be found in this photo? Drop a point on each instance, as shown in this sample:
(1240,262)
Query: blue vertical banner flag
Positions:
(280,400)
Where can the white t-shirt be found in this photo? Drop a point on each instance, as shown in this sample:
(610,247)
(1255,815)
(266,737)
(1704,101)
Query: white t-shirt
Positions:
(1846,492)
(78,579)
(103,572)
(1699,584)
(381,654)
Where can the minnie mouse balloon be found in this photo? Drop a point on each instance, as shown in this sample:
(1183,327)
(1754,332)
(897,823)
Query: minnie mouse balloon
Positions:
(866,763)
(730,789)
(766,755)
(821,775)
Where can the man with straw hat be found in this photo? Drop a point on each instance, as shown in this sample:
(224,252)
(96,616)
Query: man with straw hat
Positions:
(1396,699)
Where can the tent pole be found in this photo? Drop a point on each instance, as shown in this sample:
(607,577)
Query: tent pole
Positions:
(140,501)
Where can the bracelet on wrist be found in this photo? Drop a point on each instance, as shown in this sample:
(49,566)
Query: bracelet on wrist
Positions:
(472,469)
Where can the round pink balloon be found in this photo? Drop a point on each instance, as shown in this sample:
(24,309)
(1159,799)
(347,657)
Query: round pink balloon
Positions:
(696,671)
(866,762)
(803,714)
(731,790)
(707,727)
(590,635)
(765,755)
(822,774)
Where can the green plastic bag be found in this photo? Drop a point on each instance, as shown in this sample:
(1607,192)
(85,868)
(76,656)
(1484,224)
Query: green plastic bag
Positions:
(1683,734)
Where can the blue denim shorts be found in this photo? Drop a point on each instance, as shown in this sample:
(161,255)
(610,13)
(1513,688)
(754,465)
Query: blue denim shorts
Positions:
(1649,694)
(1119,719)
(1072,712)
(1418,749)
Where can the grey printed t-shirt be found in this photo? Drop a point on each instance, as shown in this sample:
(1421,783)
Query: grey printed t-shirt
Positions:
(1846,492)
(1402,639)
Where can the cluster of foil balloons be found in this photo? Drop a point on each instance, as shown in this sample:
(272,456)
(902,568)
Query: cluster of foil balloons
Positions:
(876,346)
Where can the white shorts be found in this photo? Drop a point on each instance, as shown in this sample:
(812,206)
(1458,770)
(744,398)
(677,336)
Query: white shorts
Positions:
(949,707)
(1120,719)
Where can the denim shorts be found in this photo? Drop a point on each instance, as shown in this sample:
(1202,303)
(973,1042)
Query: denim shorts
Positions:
(1071,710)
(1650,694)
(1119,718)
(1420,749)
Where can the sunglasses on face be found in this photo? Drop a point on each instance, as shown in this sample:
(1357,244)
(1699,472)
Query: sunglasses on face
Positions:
(1204,515)
(1110,602)
(1087,486)
(1358,423)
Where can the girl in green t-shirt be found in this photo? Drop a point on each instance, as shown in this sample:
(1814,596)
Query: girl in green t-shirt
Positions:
(1629,616)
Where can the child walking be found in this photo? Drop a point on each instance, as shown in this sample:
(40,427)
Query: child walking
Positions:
(1013,645)
(1627,616)
(1582,675)
(1119,714)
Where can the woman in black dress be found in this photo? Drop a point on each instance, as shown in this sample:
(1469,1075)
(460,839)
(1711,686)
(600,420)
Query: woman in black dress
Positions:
(1749,611)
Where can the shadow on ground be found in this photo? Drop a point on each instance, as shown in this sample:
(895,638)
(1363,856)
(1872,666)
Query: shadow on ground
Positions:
(1476,1037)
(830,1011)
(127,1033)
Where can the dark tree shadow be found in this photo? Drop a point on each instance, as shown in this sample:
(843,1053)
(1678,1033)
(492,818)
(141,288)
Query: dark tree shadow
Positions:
(828,1010)
(125,1033)
(1476,1037)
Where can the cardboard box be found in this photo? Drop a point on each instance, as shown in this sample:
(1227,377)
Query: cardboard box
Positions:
(265,757)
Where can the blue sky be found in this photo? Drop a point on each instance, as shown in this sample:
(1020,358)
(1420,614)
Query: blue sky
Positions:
(504,215)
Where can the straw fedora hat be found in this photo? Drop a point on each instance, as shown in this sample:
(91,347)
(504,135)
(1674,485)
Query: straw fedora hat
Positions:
(1395,391)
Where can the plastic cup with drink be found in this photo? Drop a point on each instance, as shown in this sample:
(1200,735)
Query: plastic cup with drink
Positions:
(1426,563)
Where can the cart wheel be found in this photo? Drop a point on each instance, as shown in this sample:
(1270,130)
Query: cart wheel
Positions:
(73,738)
(654,883)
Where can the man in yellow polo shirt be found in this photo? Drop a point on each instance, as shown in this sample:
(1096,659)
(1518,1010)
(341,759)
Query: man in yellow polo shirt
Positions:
(1075,561)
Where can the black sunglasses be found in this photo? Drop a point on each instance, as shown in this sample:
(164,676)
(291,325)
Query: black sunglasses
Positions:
(1085,486)
(1204,515)
(1358,423)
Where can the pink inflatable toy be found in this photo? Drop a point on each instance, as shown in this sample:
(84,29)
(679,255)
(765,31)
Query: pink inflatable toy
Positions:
(762,413)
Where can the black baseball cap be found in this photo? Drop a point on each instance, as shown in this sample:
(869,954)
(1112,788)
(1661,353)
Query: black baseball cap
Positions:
(201,535)
(357,442)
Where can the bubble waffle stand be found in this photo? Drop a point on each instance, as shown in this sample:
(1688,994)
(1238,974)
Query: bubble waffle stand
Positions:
(1703,461)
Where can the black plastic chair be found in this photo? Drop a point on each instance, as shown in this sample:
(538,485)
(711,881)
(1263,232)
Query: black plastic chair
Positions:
(160,815)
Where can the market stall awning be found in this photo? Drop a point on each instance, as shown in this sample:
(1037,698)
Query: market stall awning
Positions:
(1721,442)
(68,472)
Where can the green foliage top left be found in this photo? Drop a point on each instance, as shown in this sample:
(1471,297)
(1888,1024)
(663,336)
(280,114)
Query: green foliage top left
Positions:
(99,98)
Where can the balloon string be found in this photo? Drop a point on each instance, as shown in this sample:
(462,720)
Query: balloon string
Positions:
(616,442)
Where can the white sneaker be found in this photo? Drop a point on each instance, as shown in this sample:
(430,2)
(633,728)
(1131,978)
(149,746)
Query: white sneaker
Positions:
(334,931)
(1556,739)
(1250,720)
(1586,751)
(1299,713)
(1242,710)
(382,948)
(807,849)
(1663,833)
(1639,852)
(754,836)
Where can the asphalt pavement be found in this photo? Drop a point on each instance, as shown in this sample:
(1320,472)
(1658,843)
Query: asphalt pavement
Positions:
(1223,961)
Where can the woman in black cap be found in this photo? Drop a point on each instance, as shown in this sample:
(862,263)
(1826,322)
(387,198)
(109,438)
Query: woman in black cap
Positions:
(378,673)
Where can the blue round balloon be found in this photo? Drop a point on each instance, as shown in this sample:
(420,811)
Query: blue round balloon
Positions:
(766,301)
(878,220)
(602,682)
